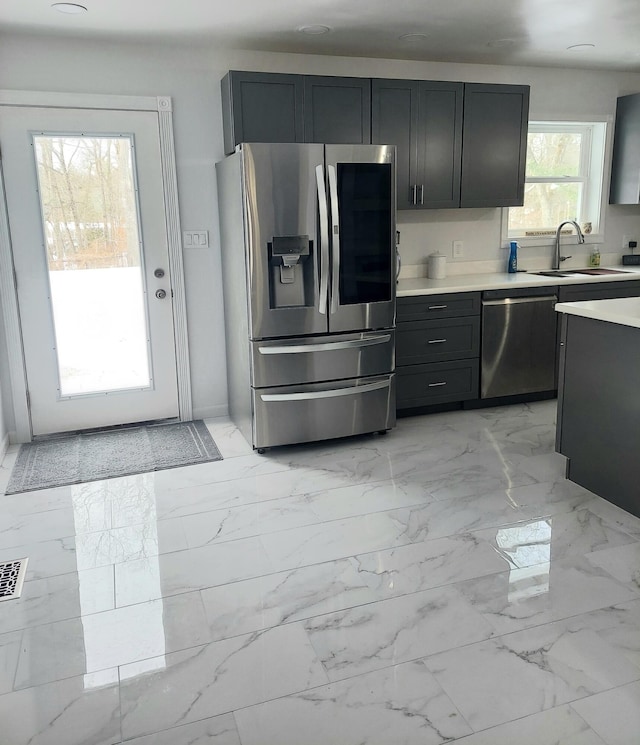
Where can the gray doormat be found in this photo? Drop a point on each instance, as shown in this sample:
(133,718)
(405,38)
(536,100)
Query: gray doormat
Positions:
(90,456)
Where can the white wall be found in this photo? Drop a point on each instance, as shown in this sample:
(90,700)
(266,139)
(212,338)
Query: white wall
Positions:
(191,76)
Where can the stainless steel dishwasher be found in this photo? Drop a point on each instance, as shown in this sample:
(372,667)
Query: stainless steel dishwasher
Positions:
(519,342)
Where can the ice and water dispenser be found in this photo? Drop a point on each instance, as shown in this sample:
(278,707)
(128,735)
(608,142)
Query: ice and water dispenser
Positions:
(291,271)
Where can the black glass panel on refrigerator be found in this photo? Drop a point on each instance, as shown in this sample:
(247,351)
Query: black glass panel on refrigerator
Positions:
(366,242)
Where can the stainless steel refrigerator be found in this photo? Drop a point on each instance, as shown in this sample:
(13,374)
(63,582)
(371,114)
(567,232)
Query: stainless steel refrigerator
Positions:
(308,259)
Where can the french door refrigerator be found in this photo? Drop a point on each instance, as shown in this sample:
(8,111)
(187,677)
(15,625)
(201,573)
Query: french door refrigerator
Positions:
(308,259)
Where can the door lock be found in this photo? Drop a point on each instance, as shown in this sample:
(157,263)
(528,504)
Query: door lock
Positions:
(159,273)
(161,294)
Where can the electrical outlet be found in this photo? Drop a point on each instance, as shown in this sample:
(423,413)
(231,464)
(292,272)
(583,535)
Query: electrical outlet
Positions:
(458,249)
(626,239)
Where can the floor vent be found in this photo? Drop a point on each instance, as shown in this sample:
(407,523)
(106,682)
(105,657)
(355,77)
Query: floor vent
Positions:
(11,578)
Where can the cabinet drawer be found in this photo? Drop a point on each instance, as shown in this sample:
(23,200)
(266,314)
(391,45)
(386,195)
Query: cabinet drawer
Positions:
(438,306)
(598,291)
(437,341)
(439,382)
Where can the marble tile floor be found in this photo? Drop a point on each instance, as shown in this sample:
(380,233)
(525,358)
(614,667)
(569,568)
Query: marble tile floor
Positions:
(441,583)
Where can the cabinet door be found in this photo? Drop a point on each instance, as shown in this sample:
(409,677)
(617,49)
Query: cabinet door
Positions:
(495,145)
(261,107)
(337,110)
(625,168)
(394,121)
(439,144)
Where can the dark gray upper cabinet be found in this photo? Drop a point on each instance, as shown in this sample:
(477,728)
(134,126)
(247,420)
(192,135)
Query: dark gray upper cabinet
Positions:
(337,110)
(261,107)
(424,120)
(625,168)
(494,137)
(458,144)
(275,107)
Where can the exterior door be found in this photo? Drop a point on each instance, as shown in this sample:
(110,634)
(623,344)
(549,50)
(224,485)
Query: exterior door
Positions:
(86,213)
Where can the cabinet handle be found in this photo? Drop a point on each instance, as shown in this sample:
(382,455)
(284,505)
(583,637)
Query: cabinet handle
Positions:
(436,341)
(437,307)
(434,385)
(412,195)
(421,193)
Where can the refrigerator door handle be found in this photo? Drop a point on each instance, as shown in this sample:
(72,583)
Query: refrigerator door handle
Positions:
(335,238)
(311,395)
(322,264)
(327,346)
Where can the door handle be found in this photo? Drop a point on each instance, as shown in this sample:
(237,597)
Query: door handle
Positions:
(314,395)
(323,261)
(161,294)
(335,238)
(330,346)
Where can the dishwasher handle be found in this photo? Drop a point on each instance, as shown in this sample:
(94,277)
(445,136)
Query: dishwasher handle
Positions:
(519,300)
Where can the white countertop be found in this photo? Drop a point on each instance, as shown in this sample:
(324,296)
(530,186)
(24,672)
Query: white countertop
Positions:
(503,280)
(624,311)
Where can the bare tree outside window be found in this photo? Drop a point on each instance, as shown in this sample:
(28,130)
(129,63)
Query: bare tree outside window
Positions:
(88,201)
(90,223)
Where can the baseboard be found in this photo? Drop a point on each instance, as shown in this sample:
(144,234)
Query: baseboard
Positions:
(210,412)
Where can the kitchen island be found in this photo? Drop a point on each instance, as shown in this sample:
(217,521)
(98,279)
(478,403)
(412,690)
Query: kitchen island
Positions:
(598,428)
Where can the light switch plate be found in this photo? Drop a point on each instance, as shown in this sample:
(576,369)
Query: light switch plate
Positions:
(195,238)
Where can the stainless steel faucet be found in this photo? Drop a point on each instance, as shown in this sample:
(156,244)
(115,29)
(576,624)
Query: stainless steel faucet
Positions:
(556,254)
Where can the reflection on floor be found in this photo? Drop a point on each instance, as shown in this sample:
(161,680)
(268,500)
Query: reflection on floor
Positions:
(441,583)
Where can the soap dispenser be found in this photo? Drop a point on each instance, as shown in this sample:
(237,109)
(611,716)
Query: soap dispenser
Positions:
(512,266)
(594,259)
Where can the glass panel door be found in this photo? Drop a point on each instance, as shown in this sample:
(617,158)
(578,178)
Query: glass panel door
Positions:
(365,204)
(86,204)
(92,238)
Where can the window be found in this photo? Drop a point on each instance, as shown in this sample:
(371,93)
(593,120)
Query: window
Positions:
(565,162)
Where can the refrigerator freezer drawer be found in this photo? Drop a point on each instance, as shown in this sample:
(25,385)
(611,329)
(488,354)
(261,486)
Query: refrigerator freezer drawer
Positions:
(305,413)
(309,359)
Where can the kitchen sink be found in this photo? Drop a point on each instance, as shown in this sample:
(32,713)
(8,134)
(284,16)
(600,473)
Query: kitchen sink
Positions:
(553,273)
(592,271)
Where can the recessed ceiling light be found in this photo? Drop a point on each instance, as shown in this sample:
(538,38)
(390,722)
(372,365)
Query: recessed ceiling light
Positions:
(581,47)
(413,38)
(314,30)
(69,7)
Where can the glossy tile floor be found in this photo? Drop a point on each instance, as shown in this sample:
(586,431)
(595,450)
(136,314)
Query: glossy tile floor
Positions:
(441,583)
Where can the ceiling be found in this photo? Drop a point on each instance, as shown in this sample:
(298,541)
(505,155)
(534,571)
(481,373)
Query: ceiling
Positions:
(509,32)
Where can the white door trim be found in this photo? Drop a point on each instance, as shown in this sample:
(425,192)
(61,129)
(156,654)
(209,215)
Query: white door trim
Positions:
(163,106)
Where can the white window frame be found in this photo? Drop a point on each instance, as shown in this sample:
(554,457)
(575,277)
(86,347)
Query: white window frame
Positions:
(595,168)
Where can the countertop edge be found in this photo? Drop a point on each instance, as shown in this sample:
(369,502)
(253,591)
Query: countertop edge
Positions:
(621,311)
(477,282)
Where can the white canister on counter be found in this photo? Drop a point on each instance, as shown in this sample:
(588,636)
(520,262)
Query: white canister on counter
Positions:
(436,266)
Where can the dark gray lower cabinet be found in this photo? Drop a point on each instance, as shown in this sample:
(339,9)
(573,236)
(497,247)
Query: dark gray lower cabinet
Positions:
(437,349)
(438,383)
(599,408)
(599,290)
